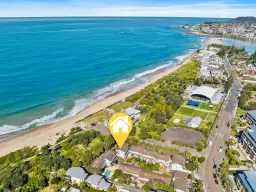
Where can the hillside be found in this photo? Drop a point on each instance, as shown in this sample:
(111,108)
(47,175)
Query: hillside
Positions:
(244,19)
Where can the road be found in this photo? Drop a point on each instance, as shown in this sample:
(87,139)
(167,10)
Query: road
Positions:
(213,156)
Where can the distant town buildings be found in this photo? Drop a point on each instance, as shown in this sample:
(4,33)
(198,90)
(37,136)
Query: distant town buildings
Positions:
(211,65)
(243,30)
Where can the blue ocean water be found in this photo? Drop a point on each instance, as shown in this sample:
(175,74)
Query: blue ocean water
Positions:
(52,68)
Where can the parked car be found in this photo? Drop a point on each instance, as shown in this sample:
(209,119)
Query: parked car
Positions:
(216,181)
(214,175)
(220,150)
(210,142)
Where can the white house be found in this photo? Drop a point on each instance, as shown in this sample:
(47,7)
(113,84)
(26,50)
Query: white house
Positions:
(133,113)
(123,151)
(195,122)
(121,123)
(76,174)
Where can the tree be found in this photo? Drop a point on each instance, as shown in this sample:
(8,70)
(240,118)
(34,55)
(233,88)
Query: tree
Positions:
(201,159)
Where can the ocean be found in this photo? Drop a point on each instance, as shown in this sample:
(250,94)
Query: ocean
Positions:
(52,68)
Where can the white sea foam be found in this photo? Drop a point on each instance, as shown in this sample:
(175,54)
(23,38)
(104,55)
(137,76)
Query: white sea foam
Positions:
(182,57)
(82,103)
(6,129)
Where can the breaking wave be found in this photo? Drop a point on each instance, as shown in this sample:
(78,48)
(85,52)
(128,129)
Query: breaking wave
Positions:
(80,104)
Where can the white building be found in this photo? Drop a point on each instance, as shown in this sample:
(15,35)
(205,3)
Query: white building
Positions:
(123,151)
(195,122)
(133,113)
(76,174)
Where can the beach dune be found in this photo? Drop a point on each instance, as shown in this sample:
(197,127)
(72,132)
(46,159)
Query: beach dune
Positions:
(43,135)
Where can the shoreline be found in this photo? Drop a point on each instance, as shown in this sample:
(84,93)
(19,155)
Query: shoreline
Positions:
(42,135)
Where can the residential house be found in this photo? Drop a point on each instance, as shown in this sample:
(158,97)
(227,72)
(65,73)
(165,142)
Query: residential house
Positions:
(141,176)
(178,164)
(105,160)
(109,156)
(195,122)
(145,176)
(180,181)
(130,169)
(150,156)
(97,182)
(76,175)
(245,181)
(251,117)
(99,163)
(121,153)
(133,113)
(248,140)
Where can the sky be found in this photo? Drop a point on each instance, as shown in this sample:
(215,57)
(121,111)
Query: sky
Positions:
(146,8)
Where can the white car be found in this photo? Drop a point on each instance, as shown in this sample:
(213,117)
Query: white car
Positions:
(210,142)
(220,150)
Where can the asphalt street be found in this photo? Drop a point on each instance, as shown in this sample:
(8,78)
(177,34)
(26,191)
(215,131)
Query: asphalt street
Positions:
(221,135)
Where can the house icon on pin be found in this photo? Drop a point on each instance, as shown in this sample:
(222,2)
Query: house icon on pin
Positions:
(120,123)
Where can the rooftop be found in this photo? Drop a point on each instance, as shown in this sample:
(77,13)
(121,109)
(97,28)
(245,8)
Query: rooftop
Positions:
(151,176)
(205,91)
(131,111)
(150,153)
(252,113)
(94,179)
(99,163)
(178,159)
(76,172)
(251,135)
(130,168)
(180,180)
(109,155)
(248,178)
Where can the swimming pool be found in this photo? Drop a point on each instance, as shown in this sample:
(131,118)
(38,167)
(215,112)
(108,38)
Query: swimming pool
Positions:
(107,173)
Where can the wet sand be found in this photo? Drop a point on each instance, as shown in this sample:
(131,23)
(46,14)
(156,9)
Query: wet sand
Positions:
(43,135)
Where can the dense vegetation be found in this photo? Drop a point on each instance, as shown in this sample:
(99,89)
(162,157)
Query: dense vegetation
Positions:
(160,100)
(244,100)
(48,165)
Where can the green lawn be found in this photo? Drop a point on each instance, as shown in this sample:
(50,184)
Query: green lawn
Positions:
(206,106)
(201,114)
(121,105)
(204,125)
(211,117)
(99,116)
(191,112)
(185,111)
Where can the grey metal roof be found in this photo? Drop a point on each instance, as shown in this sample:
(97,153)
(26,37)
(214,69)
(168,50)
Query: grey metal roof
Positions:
(216,98)
(248,179)
(196,120)
(205,91)
(103,185)
(77,172)
(94,179)
(252,113)
(131,111)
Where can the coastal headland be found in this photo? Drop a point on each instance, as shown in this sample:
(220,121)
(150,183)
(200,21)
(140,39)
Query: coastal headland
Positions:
(43,135)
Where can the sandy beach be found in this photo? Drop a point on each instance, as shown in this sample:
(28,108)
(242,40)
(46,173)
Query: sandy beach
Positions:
(43,135)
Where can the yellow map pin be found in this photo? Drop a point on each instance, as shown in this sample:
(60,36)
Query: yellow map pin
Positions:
(120,126)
